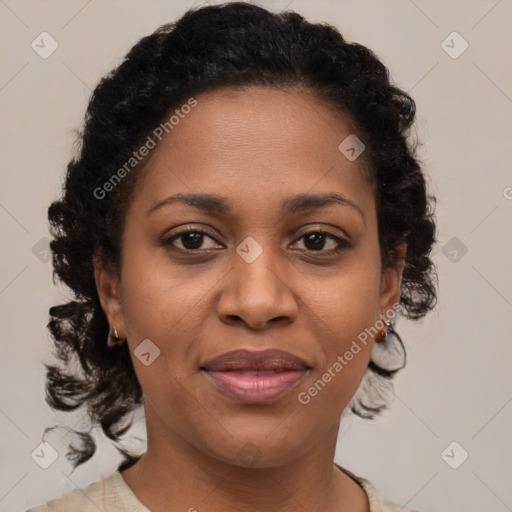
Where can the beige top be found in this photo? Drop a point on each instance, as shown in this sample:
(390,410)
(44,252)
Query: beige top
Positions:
(113,495)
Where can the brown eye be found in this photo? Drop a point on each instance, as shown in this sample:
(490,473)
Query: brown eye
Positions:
(315,241)
(190,240)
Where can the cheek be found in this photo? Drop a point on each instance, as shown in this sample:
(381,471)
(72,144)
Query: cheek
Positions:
(158,298)
(346,346)
(166,305)
(348,303)
(340,323)
(343,313)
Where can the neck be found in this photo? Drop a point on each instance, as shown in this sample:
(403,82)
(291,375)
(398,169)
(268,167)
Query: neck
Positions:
(173,476)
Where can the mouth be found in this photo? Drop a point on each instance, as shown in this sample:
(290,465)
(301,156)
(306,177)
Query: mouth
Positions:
(255,377)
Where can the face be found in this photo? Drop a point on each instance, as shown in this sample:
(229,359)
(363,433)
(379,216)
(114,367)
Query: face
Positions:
(258,267)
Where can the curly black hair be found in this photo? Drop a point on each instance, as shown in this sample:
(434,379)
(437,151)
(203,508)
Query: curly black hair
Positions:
(229,45)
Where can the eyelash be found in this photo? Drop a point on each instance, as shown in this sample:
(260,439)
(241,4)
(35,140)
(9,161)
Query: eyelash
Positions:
(341,243)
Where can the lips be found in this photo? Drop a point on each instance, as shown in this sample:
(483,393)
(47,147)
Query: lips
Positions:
(254,377)
(245,360)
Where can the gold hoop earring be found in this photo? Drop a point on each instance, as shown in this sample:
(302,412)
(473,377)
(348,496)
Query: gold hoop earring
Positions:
(114,339)
(396,346)
(383,334)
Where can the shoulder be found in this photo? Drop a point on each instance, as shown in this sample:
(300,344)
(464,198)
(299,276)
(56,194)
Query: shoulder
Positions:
(378,502)
(110,494)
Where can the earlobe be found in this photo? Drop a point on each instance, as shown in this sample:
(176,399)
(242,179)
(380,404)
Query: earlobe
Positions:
(392,280)
(107,284)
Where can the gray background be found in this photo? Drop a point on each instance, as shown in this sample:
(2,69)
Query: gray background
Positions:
(457,385)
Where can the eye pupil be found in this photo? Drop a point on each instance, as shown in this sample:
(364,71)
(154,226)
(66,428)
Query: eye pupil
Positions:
(192,238)
(318,240)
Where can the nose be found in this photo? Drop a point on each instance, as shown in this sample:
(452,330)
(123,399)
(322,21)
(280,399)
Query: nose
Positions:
(258,294)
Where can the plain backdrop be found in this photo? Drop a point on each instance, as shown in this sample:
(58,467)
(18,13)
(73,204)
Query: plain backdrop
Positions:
(453,400)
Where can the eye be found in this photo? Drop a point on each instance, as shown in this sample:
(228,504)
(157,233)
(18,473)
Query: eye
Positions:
(315,241)
(190,240)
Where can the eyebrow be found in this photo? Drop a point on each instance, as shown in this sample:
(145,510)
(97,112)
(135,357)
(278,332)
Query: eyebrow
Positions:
(215,204)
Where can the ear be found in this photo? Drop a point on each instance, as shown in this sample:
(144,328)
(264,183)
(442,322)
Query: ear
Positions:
(391,281)
(108,286)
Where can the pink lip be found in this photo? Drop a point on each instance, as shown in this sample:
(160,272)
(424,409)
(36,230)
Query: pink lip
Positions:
(255,376)
(256,386)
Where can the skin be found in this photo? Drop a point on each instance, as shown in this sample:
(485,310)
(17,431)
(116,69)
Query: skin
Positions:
(257,147)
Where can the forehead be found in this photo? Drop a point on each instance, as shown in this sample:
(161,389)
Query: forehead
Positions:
(254,143)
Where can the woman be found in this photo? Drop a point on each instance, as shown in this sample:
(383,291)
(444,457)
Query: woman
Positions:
(242,223)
